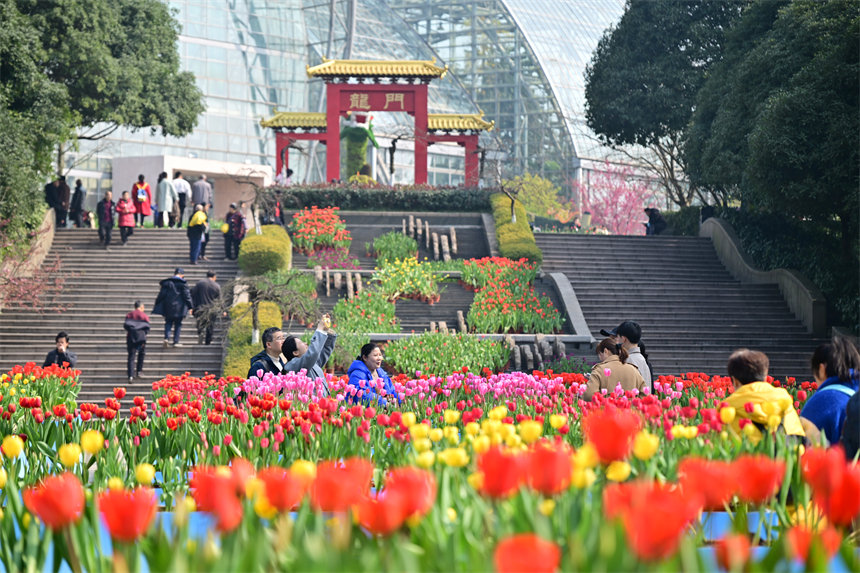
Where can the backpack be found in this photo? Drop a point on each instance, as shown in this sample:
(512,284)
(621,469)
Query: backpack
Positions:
(141,193)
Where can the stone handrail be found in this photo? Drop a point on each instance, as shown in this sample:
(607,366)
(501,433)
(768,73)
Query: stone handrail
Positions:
(43,239)
(803,298)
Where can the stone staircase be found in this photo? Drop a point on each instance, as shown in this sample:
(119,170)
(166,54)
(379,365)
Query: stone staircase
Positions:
(692,312)
(103,288)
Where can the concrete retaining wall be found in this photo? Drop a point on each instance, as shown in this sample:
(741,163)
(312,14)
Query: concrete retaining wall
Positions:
(803,298)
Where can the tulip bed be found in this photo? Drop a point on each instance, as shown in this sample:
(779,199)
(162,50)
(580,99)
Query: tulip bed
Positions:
(471,471)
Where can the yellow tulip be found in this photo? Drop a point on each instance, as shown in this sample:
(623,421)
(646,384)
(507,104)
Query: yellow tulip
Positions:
(144,474)
(618,471)
(304,469)
(498,413)
(92,441)
(773,421)
(582,478)
(476,480)
(481,444)
(263,508)
(473,429)
(753,433)
(513,441)
(13,446)
(69,454)
(530,430)
(451,513)
(408,419)
(436,434)
(451,416)
(546,507)
(3,478)
(586,456)
(425,459)
(645,445)
(115,484)
(452,434)
(422,445)
(727,415)
(691,432)
(418,431)
(454,457)
(557,421)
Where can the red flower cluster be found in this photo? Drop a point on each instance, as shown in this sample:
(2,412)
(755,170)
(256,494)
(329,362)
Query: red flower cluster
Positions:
(611,430)
(835,484)
(58,500)
(546,468)
(128,514)
(526,553)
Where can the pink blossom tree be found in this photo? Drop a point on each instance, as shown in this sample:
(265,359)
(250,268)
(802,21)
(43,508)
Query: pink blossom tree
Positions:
(616,199)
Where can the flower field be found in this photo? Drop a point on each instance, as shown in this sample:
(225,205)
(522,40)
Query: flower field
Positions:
(473,471)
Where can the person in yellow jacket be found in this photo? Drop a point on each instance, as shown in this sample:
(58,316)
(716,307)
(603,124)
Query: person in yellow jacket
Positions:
(767,407)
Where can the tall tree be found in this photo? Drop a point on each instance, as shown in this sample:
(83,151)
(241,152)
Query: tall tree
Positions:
(119,64)
(643,78)
(778,119)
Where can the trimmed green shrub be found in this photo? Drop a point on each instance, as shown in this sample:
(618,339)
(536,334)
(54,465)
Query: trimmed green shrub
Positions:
(260,254)
(277,232)
(516,240)
(239,348)
(684,221)
(379,198)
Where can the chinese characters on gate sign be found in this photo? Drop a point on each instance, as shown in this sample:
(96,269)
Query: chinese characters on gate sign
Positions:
(393,98)
(359,101)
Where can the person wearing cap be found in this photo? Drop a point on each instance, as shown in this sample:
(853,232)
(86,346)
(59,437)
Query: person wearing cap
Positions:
(629,335)
(173,303)
(235,232)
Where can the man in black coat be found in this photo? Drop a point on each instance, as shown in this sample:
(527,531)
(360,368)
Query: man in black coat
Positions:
(61,353)
(204,293)
(269,360)
(173,303)
(105,210)
(76,210)
(137,328)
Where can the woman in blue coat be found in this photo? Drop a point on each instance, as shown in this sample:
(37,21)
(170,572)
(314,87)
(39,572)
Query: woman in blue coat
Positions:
(365,373)
(835,366)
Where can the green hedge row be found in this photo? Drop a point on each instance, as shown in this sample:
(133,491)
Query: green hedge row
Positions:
(239,347)
(516,240)
(378,198)
(270,251)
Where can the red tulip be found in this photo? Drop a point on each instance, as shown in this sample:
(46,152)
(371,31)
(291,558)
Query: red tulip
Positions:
(215,493)
(835,483)
(800,539)
(526,553)
(283,490)
(713,480)
(733,551)
(502,473)
(383,513)
(338,485)
(419,487)
(612,430)
(759,477)
(58,500)
(242,470)
(549,468)
(128,514)
(654,516)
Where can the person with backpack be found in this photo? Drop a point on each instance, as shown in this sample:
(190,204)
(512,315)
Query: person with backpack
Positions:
(173,303)
(236,229)
(141,195)
(836,369)
(136,330)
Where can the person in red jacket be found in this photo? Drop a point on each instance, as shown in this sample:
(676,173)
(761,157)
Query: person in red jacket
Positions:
(141,195)
(125,221)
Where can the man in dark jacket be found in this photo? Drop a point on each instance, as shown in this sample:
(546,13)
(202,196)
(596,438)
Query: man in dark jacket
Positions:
(656,223)
(204,293)
(235,232)
(64,198)
(136,328)
(269,360)
(61,353)
(105,210)
(76,211)
(173,303)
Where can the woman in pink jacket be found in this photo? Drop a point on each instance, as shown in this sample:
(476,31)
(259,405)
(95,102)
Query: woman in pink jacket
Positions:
(126,209)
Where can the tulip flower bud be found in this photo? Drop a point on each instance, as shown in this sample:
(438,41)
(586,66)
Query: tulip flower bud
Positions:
(618,471)
(727,415)
(3,478)
(13,446)
(92,442)
(645,445)
(144,474)
(425,459)
(69,454)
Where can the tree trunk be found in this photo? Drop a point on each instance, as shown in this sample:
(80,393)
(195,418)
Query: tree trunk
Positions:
(255,320)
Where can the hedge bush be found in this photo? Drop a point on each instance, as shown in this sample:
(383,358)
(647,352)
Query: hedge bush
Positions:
(270,251)
(516,240)
(239,348)
(379,198)
(392,246)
